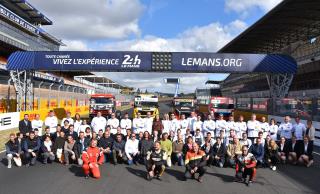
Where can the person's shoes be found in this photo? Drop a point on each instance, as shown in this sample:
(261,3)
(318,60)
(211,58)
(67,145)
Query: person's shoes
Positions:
(274,168)
(200,179)
(249,183)
(27,165)
(148,177)
(159,178)
(86,177)
(9,166)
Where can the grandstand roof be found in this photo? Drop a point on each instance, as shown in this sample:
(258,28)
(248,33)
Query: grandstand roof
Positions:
(100,80)
(289,22)
(25,10)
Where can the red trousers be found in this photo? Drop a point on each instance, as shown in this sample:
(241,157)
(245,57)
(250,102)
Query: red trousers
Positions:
(94,170)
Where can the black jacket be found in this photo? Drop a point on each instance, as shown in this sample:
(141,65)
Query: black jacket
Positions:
(44,149)
(285,148)
(308,152)
(59,143)
(221,152)
(23,128)
(13,147)
(73,134)
(33,144)
(145,146)
(209,152)
(119,146)
(105,142)
(81,146)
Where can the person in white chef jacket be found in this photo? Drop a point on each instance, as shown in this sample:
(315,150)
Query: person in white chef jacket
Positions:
(231,125)
(148,121)
(209,125)
(138,124)
(241,126)
(166,124)
(68,117)
(51,121)
(198,124)
(192,119)
(183,124)
(174,124)
(113,122)
(37,123)
(265,128)
(98,122)
(221,125)
(125,124)
(273,129)
(253,128)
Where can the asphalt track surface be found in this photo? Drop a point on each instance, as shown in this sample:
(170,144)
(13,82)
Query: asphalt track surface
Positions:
(123,179)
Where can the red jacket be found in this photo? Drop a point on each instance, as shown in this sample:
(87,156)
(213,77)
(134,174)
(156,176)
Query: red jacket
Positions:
(92,155)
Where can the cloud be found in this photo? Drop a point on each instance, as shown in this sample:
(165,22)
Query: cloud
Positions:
(74,45)
(92,19)
(244,7)
(208,38)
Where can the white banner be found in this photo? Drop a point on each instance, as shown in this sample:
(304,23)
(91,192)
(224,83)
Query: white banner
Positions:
(9,120)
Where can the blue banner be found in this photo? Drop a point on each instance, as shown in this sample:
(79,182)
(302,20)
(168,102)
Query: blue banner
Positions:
(127,61)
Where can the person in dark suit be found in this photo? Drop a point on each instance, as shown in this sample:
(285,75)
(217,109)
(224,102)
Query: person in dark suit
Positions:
(219,153)
(306,157)
(283,150)
(207,148)
(294,150)
(25,126)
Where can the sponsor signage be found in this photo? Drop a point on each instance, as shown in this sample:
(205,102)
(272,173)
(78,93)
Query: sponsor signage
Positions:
(9,120)
(126,61)
(4,12)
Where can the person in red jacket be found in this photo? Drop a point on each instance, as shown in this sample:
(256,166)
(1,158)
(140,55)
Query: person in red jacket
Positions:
(245,166)
(92,158)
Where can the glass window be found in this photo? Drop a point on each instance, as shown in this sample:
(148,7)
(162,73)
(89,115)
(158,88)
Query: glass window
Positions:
(294,107)
(244,103)
(260,104)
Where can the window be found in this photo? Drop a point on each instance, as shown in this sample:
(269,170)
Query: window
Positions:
(260,104)
(244,103)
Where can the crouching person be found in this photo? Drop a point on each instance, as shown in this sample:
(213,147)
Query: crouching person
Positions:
(13,150)
(31,149)
(92,158)
(245,166)
(47,150)
(156,160)
(195,163)
(118,150)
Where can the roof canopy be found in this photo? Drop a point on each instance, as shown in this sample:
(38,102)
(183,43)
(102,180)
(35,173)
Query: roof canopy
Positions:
(289,22)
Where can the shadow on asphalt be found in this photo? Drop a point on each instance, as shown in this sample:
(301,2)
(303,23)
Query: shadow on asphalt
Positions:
(223,177)
(139,173)
(76,170)
(178,174)
(4,161)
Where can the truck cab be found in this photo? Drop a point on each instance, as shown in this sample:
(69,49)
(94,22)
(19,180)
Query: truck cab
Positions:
(145,103)
(183,105)
(101,103)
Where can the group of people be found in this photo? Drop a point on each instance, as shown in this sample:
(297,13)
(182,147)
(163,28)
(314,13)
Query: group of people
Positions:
(193,142)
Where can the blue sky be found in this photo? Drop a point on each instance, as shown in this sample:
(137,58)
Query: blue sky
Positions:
(152,25)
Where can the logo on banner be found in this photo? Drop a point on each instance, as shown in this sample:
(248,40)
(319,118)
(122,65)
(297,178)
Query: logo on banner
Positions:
(131,62)
(5,121)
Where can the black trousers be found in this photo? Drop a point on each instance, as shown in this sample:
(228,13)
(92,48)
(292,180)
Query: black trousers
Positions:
(200,170)
(248,172)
